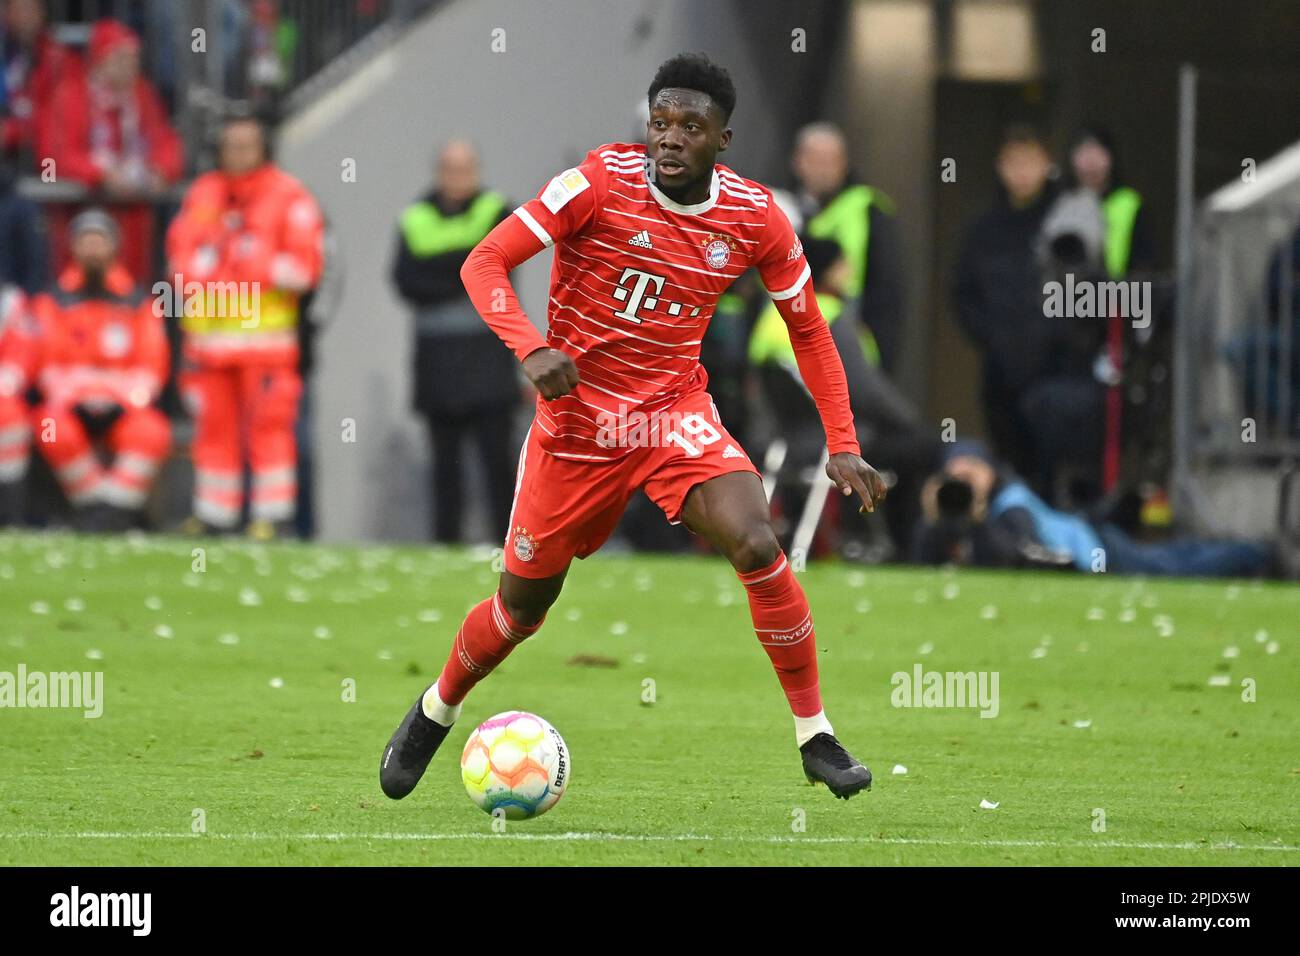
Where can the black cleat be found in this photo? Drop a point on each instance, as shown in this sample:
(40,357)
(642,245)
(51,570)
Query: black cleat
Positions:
(826,761)
(413,744)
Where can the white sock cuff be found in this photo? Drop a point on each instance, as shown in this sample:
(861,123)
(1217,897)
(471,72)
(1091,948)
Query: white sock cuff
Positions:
(436,710)
(806,728)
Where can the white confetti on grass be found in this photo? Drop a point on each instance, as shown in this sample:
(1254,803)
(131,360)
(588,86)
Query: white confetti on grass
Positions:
(1096,614)
(153,602)
(899,770)
(987,805)
(40,607)
(230,640)
(429,615)
(573,614)
(1164,625)
(1038,652)
(94,654)
(249,598)
(1231,652)
(323,633)
(164,631)
(74,604)
(385,655)
(1220,680)
(1261,636)
(863,606)
(951,590)
(989,612)
(1272,647)
(1128,615)
(618,628)
(925,648)
(1082,724)
(277,682)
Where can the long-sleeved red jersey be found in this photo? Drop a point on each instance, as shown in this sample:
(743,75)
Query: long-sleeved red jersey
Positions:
(634,282)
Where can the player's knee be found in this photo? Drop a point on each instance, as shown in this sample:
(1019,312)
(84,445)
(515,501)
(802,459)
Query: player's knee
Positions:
(754,548)
(526,613)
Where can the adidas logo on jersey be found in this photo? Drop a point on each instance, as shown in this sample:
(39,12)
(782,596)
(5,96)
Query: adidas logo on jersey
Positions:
(641,239)
(731,451)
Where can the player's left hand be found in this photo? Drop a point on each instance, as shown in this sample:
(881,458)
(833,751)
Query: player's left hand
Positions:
(850,473)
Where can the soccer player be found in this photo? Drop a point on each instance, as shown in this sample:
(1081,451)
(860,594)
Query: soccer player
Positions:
(646,239)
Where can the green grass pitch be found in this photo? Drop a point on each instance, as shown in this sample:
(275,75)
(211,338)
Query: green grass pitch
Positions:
(224,706)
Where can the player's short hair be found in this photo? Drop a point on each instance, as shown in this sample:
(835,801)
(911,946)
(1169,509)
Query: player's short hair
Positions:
(695,71)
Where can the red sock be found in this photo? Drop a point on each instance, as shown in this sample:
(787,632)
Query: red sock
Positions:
(783,623)
(485,639)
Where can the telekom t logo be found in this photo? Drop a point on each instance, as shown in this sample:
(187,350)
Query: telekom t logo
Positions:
(634,296)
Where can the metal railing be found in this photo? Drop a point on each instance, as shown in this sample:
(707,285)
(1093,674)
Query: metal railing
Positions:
(1238,392)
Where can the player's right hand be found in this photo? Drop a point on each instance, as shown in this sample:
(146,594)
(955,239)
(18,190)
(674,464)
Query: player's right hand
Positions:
(552,373)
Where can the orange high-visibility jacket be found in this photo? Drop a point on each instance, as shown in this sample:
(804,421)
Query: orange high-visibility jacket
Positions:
(242,250)
(98,349)
(17,330)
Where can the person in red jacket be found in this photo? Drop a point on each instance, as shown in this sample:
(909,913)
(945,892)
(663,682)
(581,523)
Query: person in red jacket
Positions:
(108,130)
(16,333)
(100,358)
(33,63)
(249,237)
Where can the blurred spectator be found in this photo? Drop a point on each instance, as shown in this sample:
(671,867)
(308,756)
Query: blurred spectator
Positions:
(466,380)
(16,332)
(890,429)
(998,292)
(976,513)
(1094,232)
(251,227)
(833,205)
(109,131)
(1267,354)
(99,359)
(1118,240)
(34,63)
(24,245)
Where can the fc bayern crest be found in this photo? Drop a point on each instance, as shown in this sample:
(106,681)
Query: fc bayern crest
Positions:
(525,546)
(717,254)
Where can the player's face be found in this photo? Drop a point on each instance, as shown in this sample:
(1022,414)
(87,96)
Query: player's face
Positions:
(683,138)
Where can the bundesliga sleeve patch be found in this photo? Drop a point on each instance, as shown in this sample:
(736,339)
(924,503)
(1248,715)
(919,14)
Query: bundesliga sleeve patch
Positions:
(563,188)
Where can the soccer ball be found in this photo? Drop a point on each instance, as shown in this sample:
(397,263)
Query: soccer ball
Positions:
(515,763)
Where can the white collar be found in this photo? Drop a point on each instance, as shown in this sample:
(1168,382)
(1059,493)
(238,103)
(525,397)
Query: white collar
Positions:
(715,187)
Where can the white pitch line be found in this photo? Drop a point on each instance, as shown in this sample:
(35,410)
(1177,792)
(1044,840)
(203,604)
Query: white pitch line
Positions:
(649,838)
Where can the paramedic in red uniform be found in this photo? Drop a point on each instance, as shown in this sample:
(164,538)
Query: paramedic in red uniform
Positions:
(99,359)
(252,236)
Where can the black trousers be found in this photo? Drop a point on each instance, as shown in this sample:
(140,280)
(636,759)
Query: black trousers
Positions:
(491,432)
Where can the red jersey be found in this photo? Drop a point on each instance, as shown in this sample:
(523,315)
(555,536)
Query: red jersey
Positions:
(635,280)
